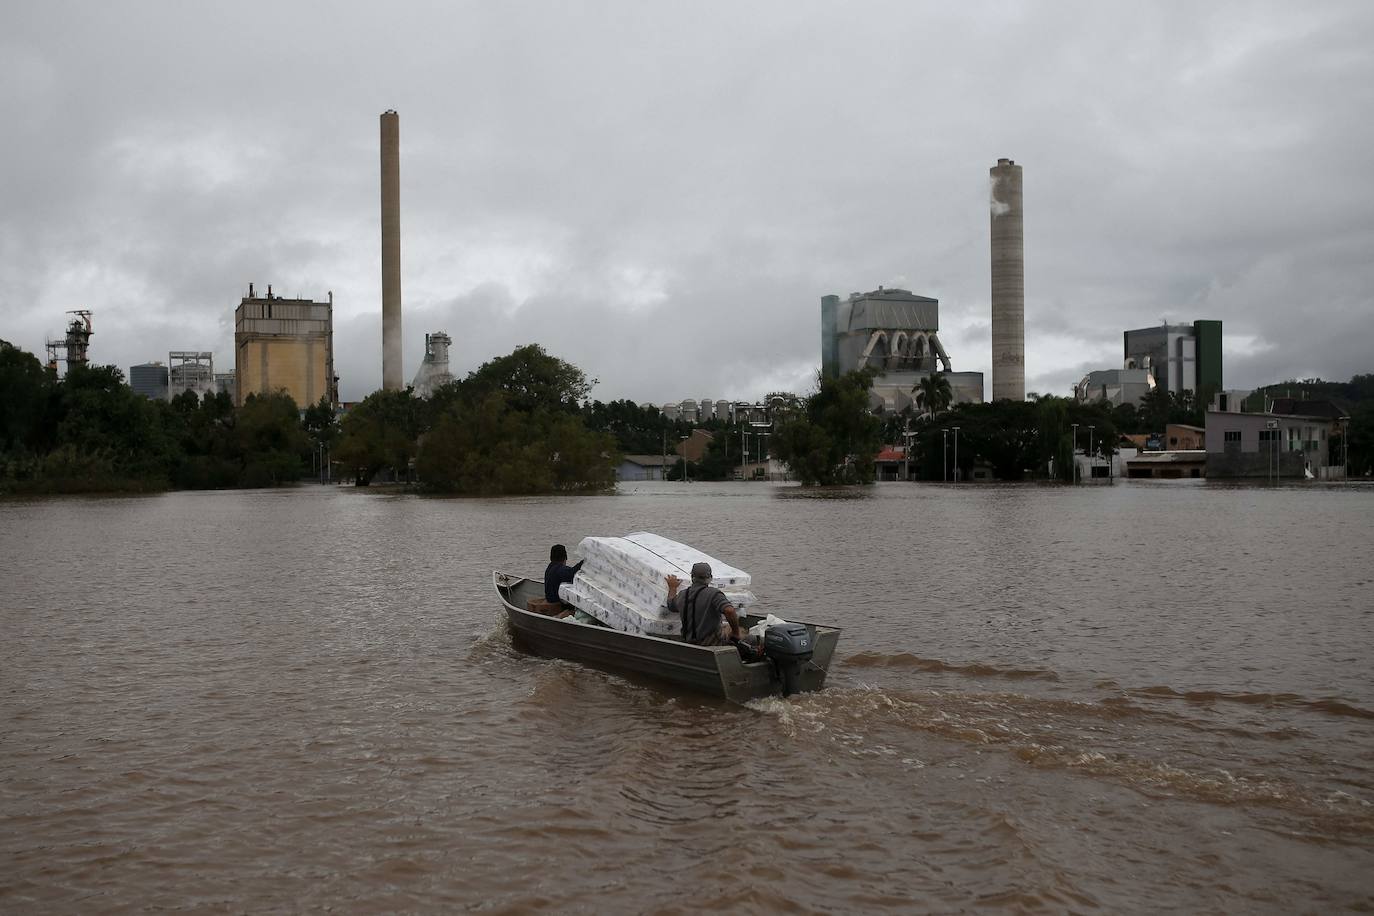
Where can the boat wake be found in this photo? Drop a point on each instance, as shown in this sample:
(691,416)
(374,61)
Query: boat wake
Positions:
(1159,754)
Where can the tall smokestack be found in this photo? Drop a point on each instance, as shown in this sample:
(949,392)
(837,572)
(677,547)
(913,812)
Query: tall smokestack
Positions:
(1008,284)
(392,374)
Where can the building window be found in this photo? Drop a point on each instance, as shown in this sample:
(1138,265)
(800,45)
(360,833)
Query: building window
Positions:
(1232,435)
(1269,435)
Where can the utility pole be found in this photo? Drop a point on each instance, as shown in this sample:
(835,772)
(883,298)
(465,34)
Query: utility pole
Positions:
(944,462)
(956,453)
(1092,456)
(906,449)
(743,448)
(1073,460)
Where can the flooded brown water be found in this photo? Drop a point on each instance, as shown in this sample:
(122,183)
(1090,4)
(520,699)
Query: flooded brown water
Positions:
(1130,699)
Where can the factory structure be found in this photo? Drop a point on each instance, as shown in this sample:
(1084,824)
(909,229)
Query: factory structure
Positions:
(1172,357)
(1180,357)
(190,370)
(284,344)
(897,333)
(74,348)
(433,372)
(149,380)
(1008,283)
(392,371)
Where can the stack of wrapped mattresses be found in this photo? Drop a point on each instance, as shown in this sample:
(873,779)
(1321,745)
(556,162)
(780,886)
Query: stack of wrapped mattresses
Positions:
(622,581)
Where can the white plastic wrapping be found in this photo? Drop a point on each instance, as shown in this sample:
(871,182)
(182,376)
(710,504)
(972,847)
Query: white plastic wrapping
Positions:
(622,581)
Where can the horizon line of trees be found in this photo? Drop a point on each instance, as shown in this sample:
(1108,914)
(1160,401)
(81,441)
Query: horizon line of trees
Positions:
(523,423)
(514,425)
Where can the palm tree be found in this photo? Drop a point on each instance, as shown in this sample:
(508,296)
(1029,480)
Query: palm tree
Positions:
(933,393)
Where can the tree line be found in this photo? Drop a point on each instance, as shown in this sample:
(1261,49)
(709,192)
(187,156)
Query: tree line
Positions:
(833,437)
(515,425)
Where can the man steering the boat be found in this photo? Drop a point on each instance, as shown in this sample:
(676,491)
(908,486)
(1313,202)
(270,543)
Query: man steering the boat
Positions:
(708,617)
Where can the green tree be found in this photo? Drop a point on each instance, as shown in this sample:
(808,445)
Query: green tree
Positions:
(834,437)
(26,422)
(382,431)
(933,393)
(637,430)
(99,415)
(211,456)
(268,434)
(1360,439)
(490,448)
(530,378)
(1153,413)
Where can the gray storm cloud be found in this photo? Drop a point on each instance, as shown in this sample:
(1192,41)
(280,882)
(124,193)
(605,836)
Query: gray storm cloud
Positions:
(618,181)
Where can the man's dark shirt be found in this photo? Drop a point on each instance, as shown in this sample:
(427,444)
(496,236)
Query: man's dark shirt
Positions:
(556,575)
(701,608)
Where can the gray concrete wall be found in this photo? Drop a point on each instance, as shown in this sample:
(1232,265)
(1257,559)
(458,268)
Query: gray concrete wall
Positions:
(1236,463)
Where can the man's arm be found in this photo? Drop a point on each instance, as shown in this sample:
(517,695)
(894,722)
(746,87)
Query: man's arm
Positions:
(733,618)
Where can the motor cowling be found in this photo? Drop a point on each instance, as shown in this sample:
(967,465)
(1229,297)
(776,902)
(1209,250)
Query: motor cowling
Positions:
(788,646)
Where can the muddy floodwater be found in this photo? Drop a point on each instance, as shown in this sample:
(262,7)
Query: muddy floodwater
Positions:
(1139,698)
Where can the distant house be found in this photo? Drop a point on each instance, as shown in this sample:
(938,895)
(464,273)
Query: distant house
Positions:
(1278,443)
(1168,465)
(645,467)
(1181,436)
(891,463)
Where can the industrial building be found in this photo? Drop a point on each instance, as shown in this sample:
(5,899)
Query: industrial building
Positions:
(1008,282)
(1181,357)
(897,333)
(433,372)
(284,345)
(1115,386)
(149,380)
(75,347)
(190,370)
(392,371)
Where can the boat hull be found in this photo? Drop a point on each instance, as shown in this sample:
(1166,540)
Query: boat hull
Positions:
(714,670)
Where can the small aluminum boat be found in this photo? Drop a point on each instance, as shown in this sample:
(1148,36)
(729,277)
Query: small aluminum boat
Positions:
(715,670)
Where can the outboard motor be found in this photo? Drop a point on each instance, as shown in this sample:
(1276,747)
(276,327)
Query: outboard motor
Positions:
(788,647)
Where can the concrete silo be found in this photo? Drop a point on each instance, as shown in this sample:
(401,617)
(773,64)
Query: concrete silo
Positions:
(1008,283)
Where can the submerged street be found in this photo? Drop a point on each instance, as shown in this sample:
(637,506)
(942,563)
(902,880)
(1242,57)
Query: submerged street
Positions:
(1136,698)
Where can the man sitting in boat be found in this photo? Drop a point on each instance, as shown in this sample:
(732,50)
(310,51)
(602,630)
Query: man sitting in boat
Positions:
(558,572)
(708,617)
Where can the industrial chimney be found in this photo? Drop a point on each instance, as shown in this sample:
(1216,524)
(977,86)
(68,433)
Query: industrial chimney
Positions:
(392,374)
(1008,284)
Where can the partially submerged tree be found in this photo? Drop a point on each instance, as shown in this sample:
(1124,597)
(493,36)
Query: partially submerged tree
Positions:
(380,432)
(514,426)
(833,438)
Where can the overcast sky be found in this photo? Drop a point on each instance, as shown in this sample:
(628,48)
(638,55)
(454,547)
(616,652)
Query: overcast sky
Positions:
(660,192)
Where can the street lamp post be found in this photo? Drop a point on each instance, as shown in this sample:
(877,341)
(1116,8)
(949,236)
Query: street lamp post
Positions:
(944,463)
(684,458)
(1092,456)
(906,451)
(956,453)
(743,447)
(1073,459)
